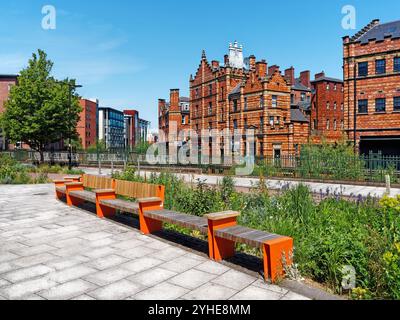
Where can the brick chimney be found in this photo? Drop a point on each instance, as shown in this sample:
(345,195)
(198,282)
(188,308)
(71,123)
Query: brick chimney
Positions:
(252,62)
(319,75)
(215,64)
(289,75)
(161,105)
(272,69)
(261,68)
(174,100)
(226,60)
(305,78)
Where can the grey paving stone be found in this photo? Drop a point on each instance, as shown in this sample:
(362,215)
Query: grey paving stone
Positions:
(212,267)
(33,250)
(137,252)
(294,296)
(162,291)
(64,263)
(127,244)
(68,242)
(152,276)
(95,236)
(4,283)
(7,256)
(192,279)
(27,273)
(210,291)
(99,252)
(263,285)
(107,262)
(26,288)
(180,264)
(6,266)
(67,290)
(106,242)
(141,264)
(234,279)
(71,273)
(170,253)
(33,260)
(256,293)
(108,276)
(116,291)
(84,297)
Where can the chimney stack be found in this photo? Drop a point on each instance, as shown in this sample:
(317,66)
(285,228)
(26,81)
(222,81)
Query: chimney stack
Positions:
(161,105)
(305,78)
(272,69)
(252,62)
(289,75)
(215,64)
(261,68)
(319,75)
(174,100)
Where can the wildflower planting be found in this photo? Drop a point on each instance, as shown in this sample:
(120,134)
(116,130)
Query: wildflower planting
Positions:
(328,235)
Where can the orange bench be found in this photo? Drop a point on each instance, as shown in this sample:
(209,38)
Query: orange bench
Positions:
(60,185)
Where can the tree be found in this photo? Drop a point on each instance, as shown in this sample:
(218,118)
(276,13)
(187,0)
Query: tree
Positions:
(100,147)
(39,111)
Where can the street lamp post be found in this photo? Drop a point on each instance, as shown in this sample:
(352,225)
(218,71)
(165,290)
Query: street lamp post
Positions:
(70,87)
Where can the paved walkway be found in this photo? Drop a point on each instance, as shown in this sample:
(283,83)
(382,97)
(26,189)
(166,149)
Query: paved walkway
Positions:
(348,190)
(51,251)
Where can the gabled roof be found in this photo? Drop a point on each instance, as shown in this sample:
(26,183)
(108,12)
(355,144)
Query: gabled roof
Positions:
(184,99)
(380,31)
(8,76)
(297,116)
(327,79)
(299,86)
(236,90)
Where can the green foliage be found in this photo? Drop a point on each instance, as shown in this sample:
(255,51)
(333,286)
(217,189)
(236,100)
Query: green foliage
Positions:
(38,111)
(11,172)
(141,148)
(392,271)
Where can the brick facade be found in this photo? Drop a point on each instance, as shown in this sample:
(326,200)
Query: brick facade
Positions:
(255,97)
(6,81)
(87,125)
(372,87)
(327,109)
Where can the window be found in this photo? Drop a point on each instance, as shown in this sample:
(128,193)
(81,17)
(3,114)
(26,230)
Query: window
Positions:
(271,121)
(292,98)
(342,125)
(380,66)
(222,93)
(362,69)
(183,120)
(380,105)
(235,125)
(363,106)
(210,108)
(235,105)
(334,106)
(197,93)
(262,102)
(328,106)
(328,87)
(245,123)
(396,64)
(315,124)
(396,104)
(328,125)
(274,101)
(197,111)
(303,96)
(334,125)
(341,106)
(210,89)
(261,123)
(245,104)
(334,87)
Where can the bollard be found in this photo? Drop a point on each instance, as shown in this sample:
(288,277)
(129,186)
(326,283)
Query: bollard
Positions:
(387,181)
(112,167)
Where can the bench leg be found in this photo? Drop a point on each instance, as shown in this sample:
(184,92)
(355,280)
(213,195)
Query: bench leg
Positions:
(103,211)
(219,249)
(147,225)
(273,253)
(71,201)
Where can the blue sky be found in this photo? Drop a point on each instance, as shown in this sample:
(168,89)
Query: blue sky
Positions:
(130,53)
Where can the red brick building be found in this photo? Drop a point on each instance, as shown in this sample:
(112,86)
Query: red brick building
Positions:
(301,90)
(372,88)
(327,109)
(87,125)
(6,81)
(175,112)
(243,93)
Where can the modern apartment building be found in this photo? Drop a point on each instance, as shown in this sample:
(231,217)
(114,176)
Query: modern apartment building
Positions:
(87,125)
(111,128)
(372,88)
(6,81)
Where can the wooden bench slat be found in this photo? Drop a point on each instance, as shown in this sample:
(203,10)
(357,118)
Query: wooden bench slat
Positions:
(122,205)
(252,237)
(61,189)
(84,195)
(181,219)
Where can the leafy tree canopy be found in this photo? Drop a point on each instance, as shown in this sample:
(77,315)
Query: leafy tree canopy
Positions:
(39,110)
